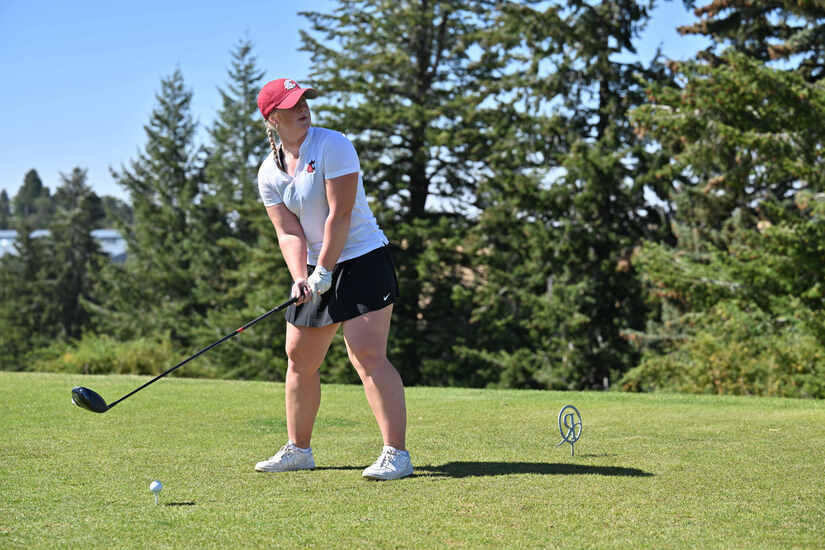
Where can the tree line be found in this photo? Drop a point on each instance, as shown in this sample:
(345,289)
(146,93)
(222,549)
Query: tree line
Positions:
(560,217)
(34,205)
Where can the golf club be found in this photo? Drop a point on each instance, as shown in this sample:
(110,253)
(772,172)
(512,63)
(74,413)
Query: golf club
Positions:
(92,401)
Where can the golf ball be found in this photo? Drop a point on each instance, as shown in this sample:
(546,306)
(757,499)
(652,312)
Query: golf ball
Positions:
(155,486)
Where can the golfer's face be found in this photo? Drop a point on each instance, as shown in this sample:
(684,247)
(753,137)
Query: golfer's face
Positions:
(297,117)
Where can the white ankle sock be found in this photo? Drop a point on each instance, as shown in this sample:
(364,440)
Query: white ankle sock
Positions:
(299,449)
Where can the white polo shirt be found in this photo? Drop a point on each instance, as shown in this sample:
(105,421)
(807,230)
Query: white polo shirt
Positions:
(324,154)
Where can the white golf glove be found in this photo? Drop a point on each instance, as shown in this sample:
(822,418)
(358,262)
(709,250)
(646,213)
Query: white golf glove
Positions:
(320,281)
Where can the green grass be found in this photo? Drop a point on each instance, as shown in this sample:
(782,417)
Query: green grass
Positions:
(651,471)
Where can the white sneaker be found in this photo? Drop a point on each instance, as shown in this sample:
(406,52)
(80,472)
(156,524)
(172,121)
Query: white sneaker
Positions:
(289,458)
(392,464)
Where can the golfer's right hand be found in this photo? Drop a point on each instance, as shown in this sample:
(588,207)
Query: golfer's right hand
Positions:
(301,290)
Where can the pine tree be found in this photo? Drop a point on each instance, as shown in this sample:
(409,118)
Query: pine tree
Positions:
(791,31)
(740,294)
(5,210)
(168,240)
(117,212)
(417,85)
(76,254)
(32,205)
(253,276)
(238,143)
(28,316)
(555,240)
(73,191)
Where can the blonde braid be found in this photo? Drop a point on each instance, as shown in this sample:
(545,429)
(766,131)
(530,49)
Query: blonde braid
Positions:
(270,131)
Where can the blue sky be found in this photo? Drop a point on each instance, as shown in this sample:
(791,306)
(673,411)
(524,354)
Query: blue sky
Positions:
(80,78)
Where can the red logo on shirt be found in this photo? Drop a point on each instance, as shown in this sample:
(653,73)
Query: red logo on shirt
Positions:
(310,166)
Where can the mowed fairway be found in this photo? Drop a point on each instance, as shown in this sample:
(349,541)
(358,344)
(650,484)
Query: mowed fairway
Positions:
(651,471)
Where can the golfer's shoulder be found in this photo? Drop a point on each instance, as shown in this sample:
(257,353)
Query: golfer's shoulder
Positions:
(267,168)
(269,175)
(328,138)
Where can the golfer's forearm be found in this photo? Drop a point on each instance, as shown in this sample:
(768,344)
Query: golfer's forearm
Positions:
(294,251)
(336,231)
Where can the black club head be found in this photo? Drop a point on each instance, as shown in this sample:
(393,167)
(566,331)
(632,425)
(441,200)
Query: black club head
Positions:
(88,399)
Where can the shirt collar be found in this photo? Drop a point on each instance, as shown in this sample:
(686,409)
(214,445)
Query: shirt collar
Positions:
(279,152)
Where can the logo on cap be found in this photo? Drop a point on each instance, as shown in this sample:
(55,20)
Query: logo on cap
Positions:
(289,84)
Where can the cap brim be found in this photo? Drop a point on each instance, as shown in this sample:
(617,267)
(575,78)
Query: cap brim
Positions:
(294,96)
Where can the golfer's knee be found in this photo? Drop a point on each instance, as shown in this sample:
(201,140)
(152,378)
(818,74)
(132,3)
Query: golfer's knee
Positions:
(298,362)
(368,360)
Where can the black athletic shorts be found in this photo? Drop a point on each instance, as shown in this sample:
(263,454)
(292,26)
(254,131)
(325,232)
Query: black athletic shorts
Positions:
(360,285)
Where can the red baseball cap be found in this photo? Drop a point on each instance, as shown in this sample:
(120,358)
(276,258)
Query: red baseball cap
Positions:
(283,93)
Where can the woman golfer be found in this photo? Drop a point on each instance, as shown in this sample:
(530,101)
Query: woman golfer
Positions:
(342,271)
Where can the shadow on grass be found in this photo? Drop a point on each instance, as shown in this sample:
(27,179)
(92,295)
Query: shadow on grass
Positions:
(485,469)
(482,469)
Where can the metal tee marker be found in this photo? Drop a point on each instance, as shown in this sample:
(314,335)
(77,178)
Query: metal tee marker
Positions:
(570,426)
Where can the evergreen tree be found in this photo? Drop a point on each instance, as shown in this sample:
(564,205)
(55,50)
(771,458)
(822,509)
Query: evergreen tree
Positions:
(417,86)
(557,288)
(253,274)
(238,143)
(74,191)
(76,254)
(792,31)
(31,190)
(28,316)
(116,212)
(32,205)
(740,294)
(48,279)
(168,240)
(5,210)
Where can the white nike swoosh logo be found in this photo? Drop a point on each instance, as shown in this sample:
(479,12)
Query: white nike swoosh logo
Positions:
(387,297)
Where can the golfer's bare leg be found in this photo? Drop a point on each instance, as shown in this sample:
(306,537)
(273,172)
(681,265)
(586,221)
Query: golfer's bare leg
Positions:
(366,339)
(306,348)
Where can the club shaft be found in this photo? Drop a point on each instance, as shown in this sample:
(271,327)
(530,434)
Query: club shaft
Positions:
(207,348)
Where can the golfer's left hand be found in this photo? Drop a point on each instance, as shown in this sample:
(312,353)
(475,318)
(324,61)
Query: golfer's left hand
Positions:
(301,291)
(320,281)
